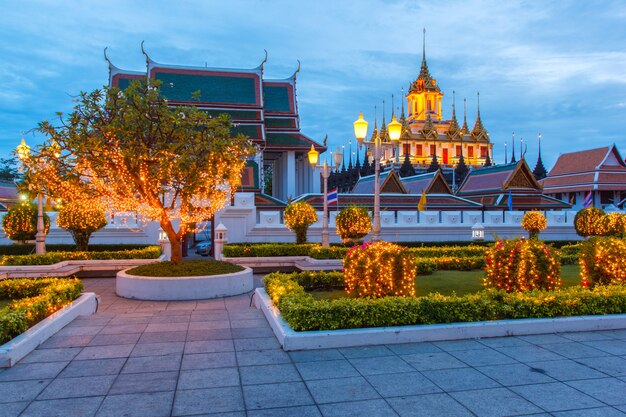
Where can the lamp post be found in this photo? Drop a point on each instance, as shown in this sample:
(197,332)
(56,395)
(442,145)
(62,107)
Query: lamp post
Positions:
(23,152)
(325,169)
(377,146)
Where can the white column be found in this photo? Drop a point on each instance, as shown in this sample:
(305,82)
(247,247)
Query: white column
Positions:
(289,174)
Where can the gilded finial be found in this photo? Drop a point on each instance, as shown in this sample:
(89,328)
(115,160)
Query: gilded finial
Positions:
(264,59)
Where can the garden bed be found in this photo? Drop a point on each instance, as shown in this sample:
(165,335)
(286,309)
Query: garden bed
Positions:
(149,252)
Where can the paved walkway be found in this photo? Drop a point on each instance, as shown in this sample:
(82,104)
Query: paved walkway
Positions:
(220,358)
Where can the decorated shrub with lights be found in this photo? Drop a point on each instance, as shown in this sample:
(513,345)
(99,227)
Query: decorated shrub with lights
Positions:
(81,218)
(379,269)
(585,221)
(602,261)
(522,265)
(353,223)
(20,223)
(611,224)
(298,217)
(534,222)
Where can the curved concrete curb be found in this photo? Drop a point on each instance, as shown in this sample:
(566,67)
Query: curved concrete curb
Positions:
(322,339)
(14,350)
(183,288)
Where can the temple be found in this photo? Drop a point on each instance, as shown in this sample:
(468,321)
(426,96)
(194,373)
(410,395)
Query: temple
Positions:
(264,110)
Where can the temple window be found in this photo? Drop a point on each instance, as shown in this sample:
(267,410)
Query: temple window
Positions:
(483,151)
(458,150)
(470,151)
(432,150)
(418,150)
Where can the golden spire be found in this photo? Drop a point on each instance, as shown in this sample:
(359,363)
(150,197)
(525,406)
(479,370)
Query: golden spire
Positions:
(465,129)
(453,128)
(479,132)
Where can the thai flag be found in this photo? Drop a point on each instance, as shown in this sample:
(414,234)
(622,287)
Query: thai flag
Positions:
(332,197)
(588,200)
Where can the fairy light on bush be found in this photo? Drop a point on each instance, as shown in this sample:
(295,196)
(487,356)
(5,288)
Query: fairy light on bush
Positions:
(534,222)
(602,261)
(585,221)
(298,217)
(353,223)
(611,224)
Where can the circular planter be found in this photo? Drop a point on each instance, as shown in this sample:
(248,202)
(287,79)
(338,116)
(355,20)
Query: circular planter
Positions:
(183,288)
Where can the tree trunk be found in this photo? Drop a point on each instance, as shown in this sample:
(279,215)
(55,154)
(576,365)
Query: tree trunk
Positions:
(175,241)
(82,240)
(301,234)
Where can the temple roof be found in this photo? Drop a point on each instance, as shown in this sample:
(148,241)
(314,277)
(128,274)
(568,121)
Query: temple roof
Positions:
(435,201)
(431,182)
(516,177)
(390,182)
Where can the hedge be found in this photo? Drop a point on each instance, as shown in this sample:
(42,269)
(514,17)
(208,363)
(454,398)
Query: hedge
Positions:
(28,249)
(150,252)
(303,312)
(33,299)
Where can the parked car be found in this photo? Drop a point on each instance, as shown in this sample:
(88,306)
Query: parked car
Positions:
(204,248)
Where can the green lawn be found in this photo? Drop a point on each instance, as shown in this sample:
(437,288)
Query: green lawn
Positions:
(461,282)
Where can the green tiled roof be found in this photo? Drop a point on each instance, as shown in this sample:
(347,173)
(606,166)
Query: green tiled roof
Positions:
(286,139)
(280,123)
(235,114)
(276,98)
(213,88)
(251,131)
(123,83)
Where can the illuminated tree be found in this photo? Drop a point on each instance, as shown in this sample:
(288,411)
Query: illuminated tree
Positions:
(534,222)
(353,223)
(585,219)
(20,223)
(81,218)
(298,217)
(133,152)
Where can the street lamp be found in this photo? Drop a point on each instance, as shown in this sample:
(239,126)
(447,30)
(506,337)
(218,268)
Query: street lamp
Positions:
(360,131)
(23,152)
(325,169)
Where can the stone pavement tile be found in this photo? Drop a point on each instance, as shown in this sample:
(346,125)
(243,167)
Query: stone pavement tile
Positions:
(610,391)
(302,411)
(402,384)
(409,348)
(169,319)
(84,386)
(100,319)
(182,305)
(152,364)
(621,408)
(505,341)
(283,394)
(262,357)
(617,334)
(543,339)
(340,368)
(70,407)
(159,337)
(495,402)
(341,390)
(529,353)
(514,374)
(12,409)
(66,341)
(247,314)
(208,400)
(144,382)
(51,355)
(79,331)
(452,345)
(114,339)
(103,352)
(378,408)
(14,391)
(40,370)
(156,349)
(208,378)
(430,361)
(315,355)
(217,304)
(209,325)
(173,312)
(167,327)
(210,334)
(153,404)
(124,328)
(243,333)
(131,319)
(460,379)
(209,360)
(429,405)
(565,370)
(556,397)
(93,367)
(209,346)
(268,374)
(591,412)
(365,352)
(482,357)
(614,347)
(209,315)
(610,365)
(248,323)
(257,343)
(586,336)
(574,350)
(381,365)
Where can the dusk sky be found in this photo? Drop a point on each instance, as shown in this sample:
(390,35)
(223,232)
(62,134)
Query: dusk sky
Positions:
(558,68)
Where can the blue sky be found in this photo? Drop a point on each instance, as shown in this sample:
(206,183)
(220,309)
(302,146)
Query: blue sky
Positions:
(558,68)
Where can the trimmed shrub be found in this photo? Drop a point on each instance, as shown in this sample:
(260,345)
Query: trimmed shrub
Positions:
(379,269)
(611,224)
(298,217)
(81,218)
(267,249)
(522,265)
(602,261)
(585,219)
(353,223)
(20,223)
(189,268)
(534,222)
(150,252)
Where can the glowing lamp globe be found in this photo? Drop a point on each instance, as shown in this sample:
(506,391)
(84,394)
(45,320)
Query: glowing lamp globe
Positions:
(394,129)
(338,157)
(360,129)
(313,156)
